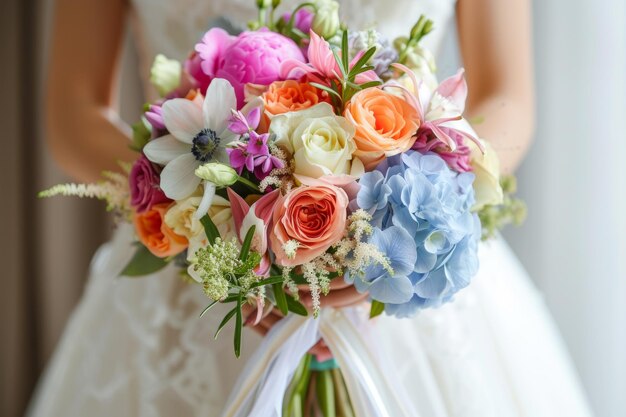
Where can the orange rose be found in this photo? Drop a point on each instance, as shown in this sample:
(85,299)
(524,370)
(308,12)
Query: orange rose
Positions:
(156,235)
(385,125)
(307,222)
(285,96)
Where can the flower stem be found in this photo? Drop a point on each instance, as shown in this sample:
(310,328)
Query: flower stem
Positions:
(249,183)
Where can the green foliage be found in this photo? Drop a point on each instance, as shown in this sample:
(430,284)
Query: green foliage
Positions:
(348,86)
(210,229)
(376,309)
(143,263)
(141,134)
(512,210)
(281,298)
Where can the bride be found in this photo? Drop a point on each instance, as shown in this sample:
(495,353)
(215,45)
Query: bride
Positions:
(136,347)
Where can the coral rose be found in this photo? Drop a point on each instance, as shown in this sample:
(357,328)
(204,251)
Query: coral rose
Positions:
(385,124)
(285,96)
(156,235)
(307,222)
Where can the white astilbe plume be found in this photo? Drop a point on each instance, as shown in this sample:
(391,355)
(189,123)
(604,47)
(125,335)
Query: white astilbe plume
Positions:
(352,254)
(113,189)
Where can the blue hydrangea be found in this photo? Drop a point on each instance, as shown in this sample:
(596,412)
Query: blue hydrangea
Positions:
(419,204)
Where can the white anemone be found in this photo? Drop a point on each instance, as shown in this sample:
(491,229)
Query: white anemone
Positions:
(198,134)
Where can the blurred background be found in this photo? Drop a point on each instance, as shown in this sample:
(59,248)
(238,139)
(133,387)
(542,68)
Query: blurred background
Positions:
(574,182)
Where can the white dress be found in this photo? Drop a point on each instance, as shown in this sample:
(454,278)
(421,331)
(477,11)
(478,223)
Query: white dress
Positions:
(136,347)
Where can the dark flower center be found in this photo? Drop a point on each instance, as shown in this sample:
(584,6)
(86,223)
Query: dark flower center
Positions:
(204,145)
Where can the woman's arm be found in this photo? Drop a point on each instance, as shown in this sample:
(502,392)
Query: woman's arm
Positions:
(85,134)
(495,38)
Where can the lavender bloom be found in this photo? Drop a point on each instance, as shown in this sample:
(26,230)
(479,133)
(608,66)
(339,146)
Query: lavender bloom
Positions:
(385,54)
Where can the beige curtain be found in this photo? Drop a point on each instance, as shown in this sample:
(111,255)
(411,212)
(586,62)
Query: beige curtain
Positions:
(46,245)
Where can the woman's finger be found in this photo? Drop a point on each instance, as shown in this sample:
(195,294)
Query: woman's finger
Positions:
(339,298)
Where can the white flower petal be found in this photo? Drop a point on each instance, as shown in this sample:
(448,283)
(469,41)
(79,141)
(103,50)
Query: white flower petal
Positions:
(178,179)
(183,118)
(219,101)
(164,149)
(207,200)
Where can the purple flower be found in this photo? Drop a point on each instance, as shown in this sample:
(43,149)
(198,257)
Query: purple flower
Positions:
(154,115)
(250,57)
(244,123)
(257,144)
(302,21)
(240,158)
(458,160)
(144,185)
(254,155)
(265,164)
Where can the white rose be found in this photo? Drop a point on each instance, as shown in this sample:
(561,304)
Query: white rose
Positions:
(320,142)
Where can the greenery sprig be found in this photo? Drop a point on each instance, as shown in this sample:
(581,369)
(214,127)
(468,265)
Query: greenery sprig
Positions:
(345,86)
(422,28)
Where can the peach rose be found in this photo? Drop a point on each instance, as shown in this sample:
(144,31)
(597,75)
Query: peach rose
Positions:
(156,235)
(307,222)
(285,96)
(385,125)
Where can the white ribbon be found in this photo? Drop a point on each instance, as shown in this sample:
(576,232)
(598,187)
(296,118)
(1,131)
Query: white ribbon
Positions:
(373,391)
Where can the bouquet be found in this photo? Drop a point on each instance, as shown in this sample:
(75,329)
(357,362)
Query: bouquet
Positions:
(300,152)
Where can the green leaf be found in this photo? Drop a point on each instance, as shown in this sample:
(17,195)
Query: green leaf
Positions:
(376,309)
(326,393)
(142,263)
(369,84)
(345,52)
(238,326)
(362,62)
(230,298)
(210,229)
(344,70)
(208,307)
(245,247)
(325,88)
(296,306)
(281,298)
(141,135)
(268,281)
(225,321)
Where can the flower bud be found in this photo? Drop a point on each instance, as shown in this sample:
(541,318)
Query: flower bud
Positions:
(326,20)
(219,174)
(263,4)
(165,74)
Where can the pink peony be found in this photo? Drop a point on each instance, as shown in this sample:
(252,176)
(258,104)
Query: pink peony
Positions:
(193,69)
(251,57)
(144,186)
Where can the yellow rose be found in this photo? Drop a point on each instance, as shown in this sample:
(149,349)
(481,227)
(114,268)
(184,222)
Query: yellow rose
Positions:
(320,142)
(180,217)
(487,170)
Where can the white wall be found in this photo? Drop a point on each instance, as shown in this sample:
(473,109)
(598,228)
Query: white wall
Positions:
(574,181)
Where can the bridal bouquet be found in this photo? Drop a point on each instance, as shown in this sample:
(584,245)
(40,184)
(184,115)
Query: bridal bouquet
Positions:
(300,152)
